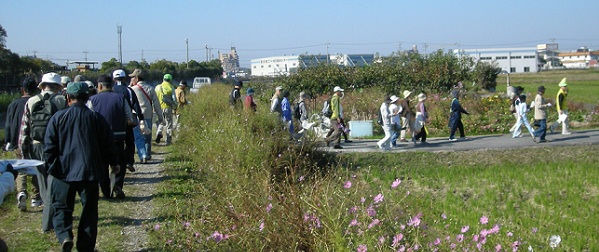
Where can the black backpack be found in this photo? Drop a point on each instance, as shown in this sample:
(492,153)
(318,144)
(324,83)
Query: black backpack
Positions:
(380,119)
(40,115)
(297,112)
(234,96)
(326,110)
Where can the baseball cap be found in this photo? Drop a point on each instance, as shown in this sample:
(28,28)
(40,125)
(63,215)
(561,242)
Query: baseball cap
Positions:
(167,77)
(65,79)
(279,88)
(337,89)
(119,73)
(77,88)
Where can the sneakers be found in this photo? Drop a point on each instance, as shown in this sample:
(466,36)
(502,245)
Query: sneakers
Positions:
(118,193)
(144,160)
(403,140)
(36,202)
(349,141)
(67,245)
(158,138)
(567,133)
(453,139)
(534,139)
(551,129)
(337,147)
(130,168)
(21,201)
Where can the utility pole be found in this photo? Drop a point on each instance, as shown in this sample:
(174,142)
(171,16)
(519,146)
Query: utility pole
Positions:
(119,31)
(327,44)
(206,46)
(142,55)
(187,45)
(85,52)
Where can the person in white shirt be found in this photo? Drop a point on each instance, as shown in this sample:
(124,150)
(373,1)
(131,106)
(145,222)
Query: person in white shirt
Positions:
(386,114)
(395,120)
(521,109)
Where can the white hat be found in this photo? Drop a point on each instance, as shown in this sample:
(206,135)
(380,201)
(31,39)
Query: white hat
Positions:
(50,78)
(65,79)
(337,89)
(90,84)
(119,73)
(394,98)
(406,93)
(279,88)
(421,97)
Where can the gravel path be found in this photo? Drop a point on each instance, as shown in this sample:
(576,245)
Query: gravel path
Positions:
(140,187)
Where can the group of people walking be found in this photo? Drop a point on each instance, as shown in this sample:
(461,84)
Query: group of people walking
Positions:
(86,133)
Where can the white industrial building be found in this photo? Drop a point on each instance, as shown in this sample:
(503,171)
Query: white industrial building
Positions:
(285,65)
(582,58)
(511,60)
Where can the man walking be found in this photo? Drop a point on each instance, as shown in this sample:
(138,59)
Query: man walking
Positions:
(149,104)
(78,145)
(455,117)
(541,114)
(166,97)
(38,111)
(115,109)
(335,118)
(407,121)
(131,97)
(14,114)
(562,108)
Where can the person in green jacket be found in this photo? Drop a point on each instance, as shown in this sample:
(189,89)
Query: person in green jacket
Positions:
(562,108)
(335,118)
(165,93)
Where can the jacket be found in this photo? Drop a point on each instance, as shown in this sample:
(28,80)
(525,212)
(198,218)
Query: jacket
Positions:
(82,154)
(336,107)
(12,124)
(540,108)
(113,107)
(560,100)
(148,101)
(165,94)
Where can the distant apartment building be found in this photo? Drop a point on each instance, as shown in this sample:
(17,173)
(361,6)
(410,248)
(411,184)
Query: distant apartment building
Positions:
(511,60)
(286,65)
(229,62)
(582,58)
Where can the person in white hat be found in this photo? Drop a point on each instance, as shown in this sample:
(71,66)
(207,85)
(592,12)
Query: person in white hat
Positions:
(31,140)
(137,119)
(561,105)
(421,118)
(396,109)
(386,115)
(335,118)
(407,121)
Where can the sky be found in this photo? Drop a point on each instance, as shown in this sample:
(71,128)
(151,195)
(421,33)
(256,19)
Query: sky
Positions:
(154,30)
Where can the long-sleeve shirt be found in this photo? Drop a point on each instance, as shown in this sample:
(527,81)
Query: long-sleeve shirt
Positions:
(560,100)
(131,98)
(386,113)
(165,94)
(393,108)
(336,107)
(12,125)
(286,108)
(540,108)
(113,107)
(303,111)
(148,101)
(79,145)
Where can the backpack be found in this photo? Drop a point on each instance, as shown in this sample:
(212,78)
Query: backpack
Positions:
(234,96)
(380,119)
(41,114)
(297,112)
(326,110)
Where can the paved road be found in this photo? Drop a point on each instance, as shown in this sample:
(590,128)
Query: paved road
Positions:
(477,143)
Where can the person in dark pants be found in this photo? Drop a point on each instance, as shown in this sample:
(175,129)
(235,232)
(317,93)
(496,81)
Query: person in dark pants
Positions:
(115,109)
(78,148)
(121,88)
(455,118)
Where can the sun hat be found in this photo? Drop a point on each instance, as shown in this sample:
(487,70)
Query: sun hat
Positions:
(77,88)
(279,88)
(119,73)
(563,83)
(421,97)
(394,98)
(250,91)
(167,77)
(337,89)
(50,78)
(137,73)
(406,93)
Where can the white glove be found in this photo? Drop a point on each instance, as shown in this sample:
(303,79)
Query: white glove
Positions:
(549,104)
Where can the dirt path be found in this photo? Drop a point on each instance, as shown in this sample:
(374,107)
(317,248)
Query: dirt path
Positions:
(141,187)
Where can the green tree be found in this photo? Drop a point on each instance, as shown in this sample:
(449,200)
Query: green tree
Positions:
(109,66)
(2,37)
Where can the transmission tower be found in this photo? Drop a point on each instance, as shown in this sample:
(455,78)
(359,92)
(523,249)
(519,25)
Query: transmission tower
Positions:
(119,31)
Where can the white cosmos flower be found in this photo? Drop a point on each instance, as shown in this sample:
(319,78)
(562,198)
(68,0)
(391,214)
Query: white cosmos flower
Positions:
(554,240)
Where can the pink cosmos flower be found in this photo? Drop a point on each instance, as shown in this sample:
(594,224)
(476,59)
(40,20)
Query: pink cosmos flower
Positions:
(495,229)
(515,246)
(268,208)
(453,246)
(443,216)
(186,224)
(374,223)
(475,238)
(395,183)
(217,237)
(498,248)
(362,200)
(415,221)
(353,210)
(437,242)
(381,240)
(510,234)
(371,211)
(347,184)
(484,220)
(479,246)
(465,229)
(459,238)
(301,178)
(157,226)
(534,230)
(354,222)
(396,239)
(379,198)
(362,248)
(261,226)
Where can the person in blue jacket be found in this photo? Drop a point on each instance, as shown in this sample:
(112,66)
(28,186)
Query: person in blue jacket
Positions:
(78,149)
(455,117)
